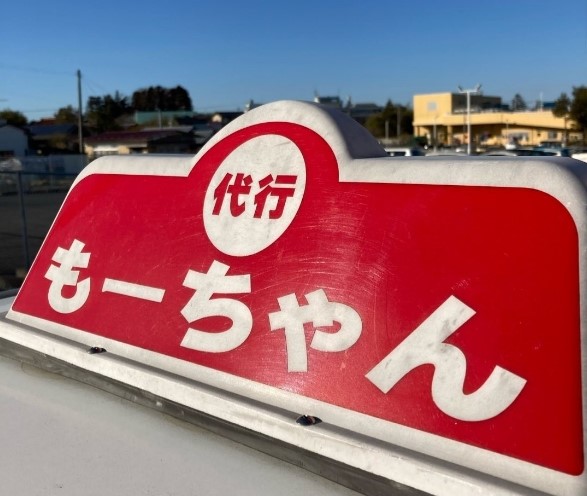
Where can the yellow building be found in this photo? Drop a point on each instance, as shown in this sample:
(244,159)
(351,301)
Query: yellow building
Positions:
(444,116)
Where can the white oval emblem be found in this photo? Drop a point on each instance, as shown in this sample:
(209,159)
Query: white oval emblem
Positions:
(254,195)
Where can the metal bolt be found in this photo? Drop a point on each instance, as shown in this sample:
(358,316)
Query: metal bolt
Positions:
(96,349)
(307,420)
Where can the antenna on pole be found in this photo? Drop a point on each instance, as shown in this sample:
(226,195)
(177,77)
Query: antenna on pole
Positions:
(80,132)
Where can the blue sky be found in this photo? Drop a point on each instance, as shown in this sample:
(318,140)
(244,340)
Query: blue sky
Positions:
(227,52)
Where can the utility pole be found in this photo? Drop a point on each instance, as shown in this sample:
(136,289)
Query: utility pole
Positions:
(434,135)
(469,93)
(3,100)
(80,132)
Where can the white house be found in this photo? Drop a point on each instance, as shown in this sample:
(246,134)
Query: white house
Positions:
(14,142)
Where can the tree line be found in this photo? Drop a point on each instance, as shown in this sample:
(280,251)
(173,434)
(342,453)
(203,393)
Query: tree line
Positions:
(102,113)
(394,121)
(573,109)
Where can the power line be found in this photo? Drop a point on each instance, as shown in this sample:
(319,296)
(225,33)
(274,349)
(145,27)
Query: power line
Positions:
(38,111)
(91,86)
(36,70)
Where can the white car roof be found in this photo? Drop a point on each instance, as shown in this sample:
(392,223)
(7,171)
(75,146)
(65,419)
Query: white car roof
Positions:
(65,438)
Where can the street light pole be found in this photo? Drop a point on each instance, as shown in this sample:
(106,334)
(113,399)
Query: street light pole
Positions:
(469,93)
(80,129)
(434,133)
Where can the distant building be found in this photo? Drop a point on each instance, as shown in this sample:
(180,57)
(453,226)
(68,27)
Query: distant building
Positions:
(442,118)
(250,105)
(162,118)
(201,127)
(362,111)
(50,138)
(358,111)
(329,101)
(14,141)
(164,140)
(221,119)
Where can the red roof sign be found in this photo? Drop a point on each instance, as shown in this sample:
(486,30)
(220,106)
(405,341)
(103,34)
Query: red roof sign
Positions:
(434,304)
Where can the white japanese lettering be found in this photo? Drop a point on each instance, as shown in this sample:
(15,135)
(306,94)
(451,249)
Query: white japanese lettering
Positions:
(64,275)
(425,346)
(201,305)
(133,290)
(320,312)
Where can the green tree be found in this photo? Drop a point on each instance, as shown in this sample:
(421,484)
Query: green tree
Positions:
(13,117)
(518,103)
(407,120)
(104,111)
(66,115)
(562,109)
(385,123)
(160,98)
(562,106)
(578,109)
(376,123)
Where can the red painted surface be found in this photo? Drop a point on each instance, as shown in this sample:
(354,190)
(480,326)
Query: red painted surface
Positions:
(392,252)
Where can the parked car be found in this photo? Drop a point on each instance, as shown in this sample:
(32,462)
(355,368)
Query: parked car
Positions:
(446,152)
(555,151)
(404,151)
(533,152)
